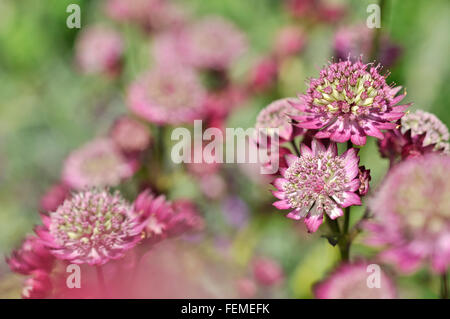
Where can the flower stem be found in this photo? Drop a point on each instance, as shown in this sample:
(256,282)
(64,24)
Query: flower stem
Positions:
(297,151)
(444,286)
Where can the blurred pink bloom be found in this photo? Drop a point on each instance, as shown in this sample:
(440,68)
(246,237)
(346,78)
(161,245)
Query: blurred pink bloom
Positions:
(267,272)
(130,135)
(290,41)
(350,281)
(213,43)
(32,255)
(319,182)
(348,102)
(99,49)
(264,75)
(246,288)
(356,40)
(54,197)
(38,286)
(92,227)
(96,164)
(150,14)
(411,210)
(316,10)
(277,115)
(235,211)
(219,104)
(213,186)
(168,95)
(163,219)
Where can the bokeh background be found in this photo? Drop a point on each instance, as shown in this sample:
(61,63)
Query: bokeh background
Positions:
(47,109)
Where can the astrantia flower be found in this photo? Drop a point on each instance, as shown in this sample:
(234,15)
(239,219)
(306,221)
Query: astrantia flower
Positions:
(99,49)
(421,122)
(264,74)
(351,281)
(214,43)
(32,255)
(277,116)
(319,182)
(290,41)
(96,164)
(267,271)
(130,135)
(38,286)
(169,95)
(163,219)
(412,214)
(92,227)
(348,102)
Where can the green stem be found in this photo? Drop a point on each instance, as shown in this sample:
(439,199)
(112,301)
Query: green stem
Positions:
(444,286)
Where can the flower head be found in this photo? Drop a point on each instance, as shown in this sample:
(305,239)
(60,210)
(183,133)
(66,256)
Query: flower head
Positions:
(412,214)
(348,102)
(277,116)
(96,164)
(214,43)
(32,255)
(130,135)
(290,41)
(318,182)
(38,286)
(92,227)
(99,49)
(350,281)
(171,95)
(421,122)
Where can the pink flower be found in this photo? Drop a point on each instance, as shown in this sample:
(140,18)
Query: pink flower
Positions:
(164,219)
(264,74)
(98,163)
(169,95)
(214,43)
(54,197)
(364,180)
(348,102)
(92,227)
(290,41)
(277,115)
(38,286)
(319,182)
(246,288)
(33,255)
(130,135)
(411,214)
(351,281)
(267,271)
(150,14)
(99,49)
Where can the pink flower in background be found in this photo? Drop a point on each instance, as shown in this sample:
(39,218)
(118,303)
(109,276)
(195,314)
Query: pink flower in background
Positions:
(421,122)
(277,115)
(391,145)
(267,272)
(290,41)
(92,227)
(246,288)
(32,255)
(150,14)
(411,210)
(96,164)
(163,219)
(317,183)
(264,75)
(350,281)
(99,49)
(54,197)
(169,95)
(130,135)
(214,43)
(356,40)
(38,286)
(219,104)
(348,102)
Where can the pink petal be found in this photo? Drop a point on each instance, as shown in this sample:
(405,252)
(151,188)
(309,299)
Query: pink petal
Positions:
(290,159)
(279,195)
(305,150)
(335,212)
(313,221)
(357,136)
(317,147)
(332,149)
(282,204)
(373,131)
(353,185)
(279,183)
(350,199)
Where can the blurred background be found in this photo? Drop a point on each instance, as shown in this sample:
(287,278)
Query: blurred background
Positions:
(48,108)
